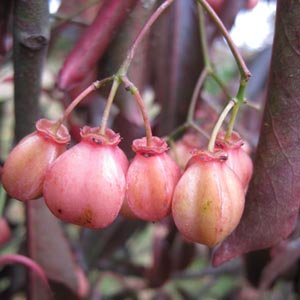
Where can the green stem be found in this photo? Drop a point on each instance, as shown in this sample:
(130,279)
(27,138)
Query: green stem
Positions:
(217,79)
(196,93)
(176,132)
(198,129)
(111,96)
(240,99)
(139,100)
(232,120)
(245,73)
(228,107)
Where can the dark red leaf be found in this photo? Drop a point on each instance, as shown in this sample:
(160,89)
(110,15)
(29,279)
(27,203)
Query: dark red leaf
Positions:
(93,42)
(273,197)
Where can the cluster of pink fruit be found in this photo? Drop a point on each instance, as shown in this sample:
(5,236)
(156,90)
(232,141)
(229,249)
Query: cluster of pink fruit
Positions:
(92,182)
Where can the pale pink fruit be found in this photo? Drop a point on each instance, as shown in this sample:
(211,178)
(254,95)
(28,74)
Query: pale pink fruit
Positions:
(208,200)
(24,169)
(86,185)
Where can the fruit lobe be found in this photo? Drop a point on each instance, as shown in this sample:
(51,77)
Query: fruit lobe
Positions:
(238,160)
(86,185)
(25,168)
(208,200)
(151,178)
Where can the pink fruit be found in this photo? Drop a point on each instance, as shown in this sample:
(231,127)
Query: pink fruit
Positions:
(86,185)
(208,200)
(24,169)
(238,160)
(151,178)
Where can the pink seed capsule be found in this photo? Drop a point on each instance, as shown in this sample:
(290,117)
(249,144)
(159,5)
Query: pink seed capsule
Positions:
(24,169)
(151,178)
(208,200)
(86,185)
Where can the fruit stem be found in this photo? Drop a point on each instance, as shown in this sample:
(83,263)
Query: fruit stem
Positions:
(240,99)
(122,72)
(245,73)
(223,115)
(198,129)
(94,86)
(129,86)
(207,62)
(220,83)
(172,135)
(111,96)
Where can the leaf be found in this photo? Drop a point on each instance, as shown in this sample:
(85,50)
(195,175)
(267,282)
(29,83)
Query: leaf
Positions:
(49,248)
(273,198)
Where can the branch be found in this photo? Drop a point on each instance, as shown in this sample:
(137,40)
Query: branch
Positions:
(31,37)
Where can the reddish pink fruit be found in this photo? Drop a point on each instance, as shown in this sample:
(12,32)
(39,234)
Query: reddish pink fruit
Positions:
(5,233)
(151,178)
(86,185)
(25,168)
(238,160)
(208,200)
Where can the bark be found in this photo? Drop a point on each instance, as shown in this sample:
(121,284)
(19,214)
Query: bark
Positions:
(31,36)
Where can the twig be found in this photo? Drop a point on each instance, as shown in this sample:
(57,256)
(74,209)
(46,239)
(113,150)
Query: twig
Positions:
(31,37)
(245,73)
